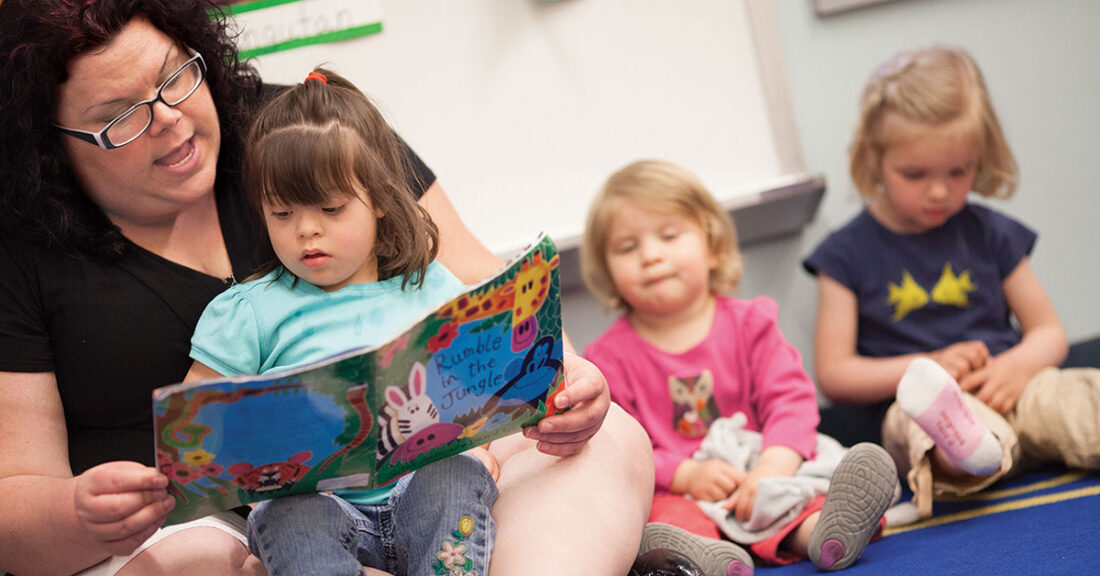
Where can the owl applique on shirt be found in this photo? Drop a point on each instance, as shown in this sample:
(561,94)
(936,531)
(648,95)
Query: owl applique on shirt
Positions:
(693,405)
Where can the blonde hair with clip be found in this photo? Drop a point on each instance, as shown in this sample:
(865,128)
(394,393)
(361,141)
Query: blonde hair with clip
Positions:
(935,87)
(666,188)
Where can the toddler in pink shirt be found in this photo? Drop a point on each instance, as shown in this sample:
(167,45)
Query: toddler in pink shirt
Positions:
(684,354)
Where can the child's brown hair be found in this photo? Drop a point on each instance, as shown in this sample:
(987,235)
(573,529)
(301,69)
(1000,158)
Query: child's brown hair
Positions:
(324,137)
(664,187)
(938,86)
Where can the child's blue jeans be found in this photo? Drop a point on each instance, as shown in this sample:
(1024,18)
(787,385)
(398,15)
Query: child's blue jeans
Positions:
(437,521)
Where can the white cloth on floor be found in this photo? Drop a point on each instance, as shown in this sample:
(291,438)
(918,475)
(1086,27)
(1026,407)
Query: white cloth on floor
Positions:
(779,500)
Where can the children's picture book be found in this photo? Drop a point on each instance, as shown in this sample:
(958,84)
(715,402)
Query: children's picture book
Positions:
(482,366)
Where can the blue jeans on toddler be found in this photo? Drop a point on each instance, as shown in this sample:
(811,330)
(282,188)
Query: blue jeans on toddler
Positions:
(437,521)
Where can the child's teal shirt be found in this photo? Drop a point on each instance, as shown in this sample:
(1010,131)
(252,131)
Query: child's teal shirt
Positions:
(275,323)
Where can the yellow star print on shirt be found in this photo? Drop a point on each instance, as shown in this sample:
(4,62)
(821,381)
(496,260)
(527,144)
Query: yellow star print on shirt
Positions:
(908,297)
(953,290)
(950,289)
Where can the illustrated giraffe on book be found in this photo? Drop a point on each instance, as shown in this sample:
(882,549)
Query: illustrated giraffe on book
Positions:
(522,296)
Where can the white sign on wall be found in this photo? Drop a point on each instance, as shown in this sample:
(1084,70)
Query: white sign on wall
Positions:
(267,26)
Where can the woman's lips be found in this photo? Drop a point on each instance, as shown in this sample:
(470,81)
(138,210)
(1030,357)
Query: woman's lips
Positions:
(179,156)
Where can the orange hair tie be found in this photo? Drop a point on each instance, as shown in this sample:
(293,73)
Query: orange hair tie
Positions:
(315,75)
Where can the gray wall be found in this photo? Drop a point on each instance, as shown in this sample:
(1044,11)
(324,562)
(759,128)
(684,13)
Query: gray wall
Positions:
(1042,64)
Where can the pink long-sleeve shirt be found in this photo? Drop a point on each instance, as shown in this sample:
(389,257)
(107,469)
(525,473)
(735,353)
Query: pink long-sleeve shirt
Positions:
(750,366)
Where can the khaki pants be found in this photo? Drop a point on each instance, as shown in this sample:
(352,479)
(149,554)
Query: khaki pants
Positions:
(1056,420)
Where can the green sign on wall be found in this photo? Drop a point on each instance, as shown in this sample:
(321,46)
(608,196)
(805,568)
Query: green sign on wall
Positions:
(267,26)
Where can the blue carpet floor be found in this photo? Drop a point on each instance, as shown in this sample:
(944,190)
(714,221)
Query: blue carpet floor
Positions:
(1046,522)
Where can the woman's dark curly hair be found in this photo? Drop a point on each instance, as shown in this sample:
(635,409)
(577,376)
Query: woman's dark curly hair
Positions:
(38,39)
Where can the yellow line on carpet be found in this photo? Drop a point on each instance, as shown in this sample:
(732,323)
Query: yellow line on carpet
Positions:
(996,508)
(1010,492)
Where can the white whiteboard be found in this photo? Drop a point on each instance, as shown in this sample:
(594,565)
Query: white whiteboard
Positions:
(523,108)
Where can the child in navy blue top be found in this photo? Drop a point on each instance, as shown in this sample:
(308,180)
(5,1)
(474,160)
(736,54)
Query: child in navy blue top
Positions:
(930,300)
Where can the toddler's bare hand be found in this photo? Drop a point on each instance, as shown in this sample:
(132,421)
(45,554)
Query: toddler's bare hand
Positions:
(776,461)
(712,480)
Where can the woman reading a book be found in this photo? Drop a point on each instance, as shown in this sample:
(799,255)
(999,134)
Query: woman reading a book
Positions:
(121,217)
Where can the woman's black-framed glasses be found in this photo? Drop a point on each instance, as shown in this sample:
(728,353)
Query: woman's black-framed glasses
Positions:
(132,123)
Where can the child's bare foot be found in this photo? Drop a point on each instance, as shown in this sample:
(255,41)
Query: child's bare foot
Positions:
(860,491)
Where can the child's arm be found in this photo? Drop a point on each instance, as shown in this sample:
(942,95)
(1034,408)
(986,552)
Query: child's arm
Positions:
(784,403)
(200,371)
(843,375)
(1000,384)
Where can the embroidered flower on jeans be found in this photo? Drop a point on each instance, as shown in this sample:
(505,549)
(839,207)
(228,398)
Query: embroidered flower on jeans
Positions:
(465,526)
(452,554)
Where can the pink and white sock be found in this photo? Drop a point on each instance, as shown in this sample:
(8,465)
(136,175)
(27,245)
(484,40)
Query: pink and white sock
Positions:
(932,398)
